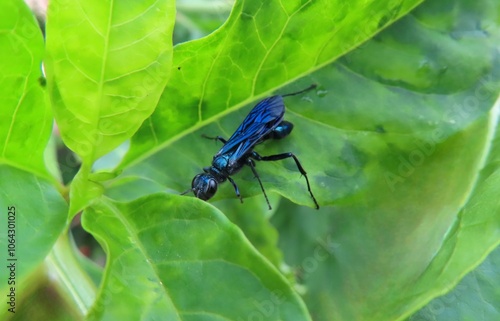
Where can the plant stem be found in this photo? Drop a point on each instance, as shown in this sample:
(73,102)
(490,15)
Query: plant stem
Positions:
(68,277)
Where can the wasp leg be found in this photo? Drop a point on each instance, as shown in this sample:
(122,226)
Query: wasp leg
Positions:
(256,156)
(251,163)
(236,189)
(219,138)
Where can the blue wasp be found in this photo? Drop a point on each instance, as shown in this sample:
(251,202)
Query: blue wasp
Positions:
(265,121)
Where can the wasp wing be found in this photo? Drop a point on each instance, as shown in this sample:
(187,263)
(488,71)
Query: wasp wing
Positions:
(261,120)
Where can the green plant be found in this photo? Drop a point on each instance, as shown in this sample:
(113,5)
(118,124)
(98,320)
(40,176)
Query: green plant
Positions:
(399,142)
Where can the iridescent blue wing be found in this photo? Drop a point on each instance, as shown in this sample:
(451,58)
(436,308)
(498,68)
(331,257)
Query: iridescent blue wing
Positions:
(261,120)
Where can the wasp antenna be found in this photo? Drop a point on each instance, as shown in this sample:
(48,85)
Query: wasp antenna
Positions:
(301,91)
(186,191)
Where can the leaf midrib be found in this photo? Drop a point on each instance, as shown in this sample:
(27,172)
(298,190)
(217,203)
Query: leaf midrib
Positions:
(101,77)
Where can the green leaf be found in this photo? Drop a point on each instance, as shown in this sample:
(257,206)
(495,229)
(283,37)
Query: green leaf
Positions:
(419,208)
(252,217)
(107,64)
(181,259)
(384,261)
(37,220)
(263,45)
(25,119)
(119,76)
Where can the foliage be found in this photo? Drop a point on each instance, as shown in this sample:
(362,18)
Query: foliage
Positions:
(399,142)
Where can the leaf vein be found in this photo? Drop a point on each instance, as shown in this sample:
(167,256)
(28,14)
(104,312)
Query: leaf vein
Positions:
(136,17)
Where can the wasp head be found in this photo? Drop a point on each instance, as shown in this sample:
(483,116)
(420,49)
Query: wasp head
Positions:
(204,186)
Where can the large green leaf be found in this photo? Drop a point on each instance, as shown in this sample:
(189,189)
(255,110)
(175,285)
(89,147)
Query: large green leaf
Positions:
(429,214)
(107,64)
(25,119)
(180,259)
(262,45)
(117,55)
(476,296)
(377,255)
(37,221)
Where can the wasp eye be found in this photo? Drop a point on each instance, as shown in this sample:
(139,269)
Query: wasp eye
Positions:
(204,186)
(211,188)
